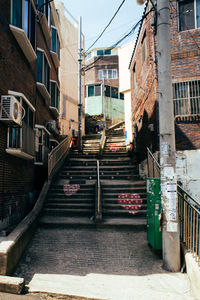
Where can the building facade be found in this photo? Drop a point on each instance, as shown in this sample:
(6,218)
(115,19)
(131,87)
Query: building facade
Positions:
(185,59)
(102,95)
(29,102)
(68,72)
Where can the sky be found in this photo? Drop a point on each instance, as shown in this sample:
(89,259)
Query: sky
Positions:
(96,14)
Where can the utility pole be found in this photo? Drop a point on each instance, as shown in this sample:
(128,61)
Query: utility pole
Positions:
(79,87)
(170,228)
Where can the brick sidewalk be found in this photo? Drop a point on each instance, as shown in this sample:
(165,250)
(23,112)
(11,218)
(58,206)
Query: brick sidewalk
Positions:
(105,263)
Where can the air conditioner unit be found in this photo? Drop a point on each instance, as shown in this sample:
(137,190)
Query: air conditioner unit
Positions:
(51,125)
(10,110)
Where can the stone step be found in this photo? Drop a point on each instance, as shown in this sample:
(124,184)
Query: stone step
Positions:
(106,168)
(111,162)
(84,155)
(114,199)
(83,187)
(111,154)
(52,221)
(139,222)
(135,185)
(80,162)
(119,177)
(78,177)
(115,139)
(75,197)
(79,172)
(123,213)
(70,206)
(69,212)
(91,141)
(116,206)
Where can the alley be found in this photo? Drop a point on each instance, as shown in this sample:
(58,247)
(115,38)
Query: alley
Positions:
(103,263)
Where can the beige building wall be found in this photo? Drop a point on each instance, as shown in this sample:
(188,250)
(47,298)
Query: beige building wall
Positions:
(125,53)
(68,72)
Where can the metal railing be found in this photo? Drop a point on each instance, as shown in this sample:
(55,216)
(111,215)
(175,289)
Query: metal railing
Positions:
(58,153)
(189,222)
(98,205)
(188,210)
(102,142)
(152,165)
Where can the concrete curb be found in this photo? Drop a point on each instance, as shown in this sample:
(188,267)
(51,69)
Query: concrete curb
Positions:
(15,243)
(193,271)
(13,246)
(12,285)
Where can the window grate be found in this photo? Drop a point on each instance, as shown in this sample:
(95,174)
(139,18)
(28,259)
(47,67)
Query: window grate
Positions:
(186,97)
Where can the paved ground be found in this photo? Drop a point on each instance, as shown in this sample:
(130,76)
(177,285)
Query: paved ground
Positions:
(106,263)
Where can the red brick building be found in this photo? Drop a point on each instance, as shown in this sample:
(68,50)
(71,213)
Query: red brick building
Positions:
(102,62)
(29,102)
(185,62)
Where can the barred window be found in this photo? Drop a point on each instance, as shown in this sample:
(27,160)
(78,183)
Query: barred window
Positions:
(189,14)
(186,97)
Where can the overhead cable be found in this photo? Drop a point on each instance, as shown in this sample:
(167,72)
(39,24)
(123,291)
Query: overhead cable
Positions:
(106,26)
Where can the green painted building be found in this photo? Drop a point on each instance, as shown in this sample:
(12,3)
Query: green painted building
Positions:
(108,102)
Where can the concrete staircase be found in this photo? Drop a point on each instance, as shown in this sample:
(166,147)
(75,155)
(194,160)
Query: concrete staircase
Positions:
(71,199)
(90,147)
(123,191)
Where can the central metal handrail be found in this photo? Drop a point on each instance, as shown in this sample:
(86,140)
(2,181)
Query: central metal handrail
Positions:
(98,206)
(102,142)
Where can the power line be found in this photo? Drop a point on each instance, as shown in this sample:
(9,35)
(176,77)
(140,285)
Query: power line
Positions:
(106,26)
(88,67)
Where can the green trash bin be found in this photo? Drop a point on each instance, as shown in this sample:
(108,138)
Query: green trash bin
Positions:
(154,233)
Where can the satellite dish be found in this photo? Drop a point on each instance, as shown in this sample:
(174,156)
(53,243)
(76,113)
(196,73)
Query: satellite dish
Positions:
(140,2)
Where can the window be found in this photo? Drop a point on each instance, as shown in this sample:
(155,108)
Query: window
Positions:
(23,16)
(121,96)
(98,90)
(45,8)
(21,139)
(186,96)
(107,91)
(114,92)
(108,74)
(43,69)
(144,47)
(90,90)
(134,75)
(55,95)
(189,14)
(107,52)
(93,90)
(41,145)
(104,52)
(55,43)
(99,52)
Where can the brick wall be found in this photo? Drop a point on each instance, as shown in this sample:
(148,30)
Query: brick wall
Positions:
(104,62)
(185,53)
(19,177)
(16,175)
